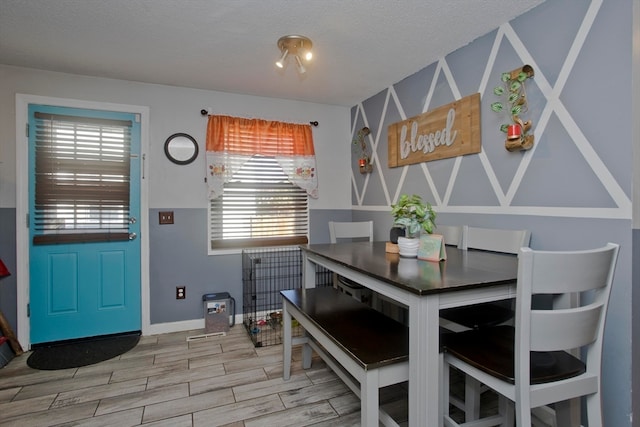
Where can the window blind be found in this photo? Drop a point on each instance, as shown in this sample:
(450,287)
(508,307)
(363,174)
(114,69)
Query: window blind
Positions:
(82,176)
(259,207)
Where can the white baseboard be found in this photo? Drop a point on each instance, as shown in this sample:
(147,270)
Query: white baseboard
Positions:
(185,325)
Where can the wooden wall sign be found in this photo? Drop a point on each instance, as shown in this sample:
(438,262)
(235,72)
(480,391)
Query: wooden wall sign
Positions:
(448,131)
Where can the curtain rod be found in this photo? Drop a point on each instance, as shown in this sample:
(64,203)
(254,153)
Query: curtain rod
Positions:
(206,113)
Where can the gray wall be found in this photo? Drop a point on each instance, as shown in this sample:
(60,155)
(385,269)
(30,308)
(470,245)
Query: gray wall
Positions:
(635,350)
(572,190)
(178,256)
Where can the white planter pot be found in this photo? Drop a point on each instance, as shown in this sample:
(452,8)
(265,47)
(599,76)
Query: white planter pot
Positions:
(408,247)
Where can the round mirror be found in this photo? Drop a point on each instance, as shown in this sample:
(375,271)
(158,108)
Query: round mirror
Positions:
(181,148)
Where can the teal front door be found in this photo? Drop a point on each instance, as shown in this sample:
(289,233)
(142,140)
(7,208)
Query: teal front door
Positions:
(84,209)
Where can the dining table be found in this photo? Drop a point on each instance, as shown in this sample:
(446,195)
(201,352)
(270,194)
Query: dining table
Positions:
(425,287)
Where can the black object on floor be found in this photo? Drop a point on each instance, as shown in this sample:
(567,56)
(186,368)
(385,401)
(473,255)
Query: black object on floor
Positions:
(83,352)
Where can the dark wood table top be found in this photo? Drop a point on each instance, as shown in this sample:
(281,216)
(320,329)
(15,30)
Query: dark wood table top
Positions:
(462,269)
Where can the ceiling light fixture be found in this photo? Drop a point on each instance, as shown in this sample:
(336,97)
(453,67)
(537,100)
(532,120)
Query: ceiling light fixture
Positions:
(298,46)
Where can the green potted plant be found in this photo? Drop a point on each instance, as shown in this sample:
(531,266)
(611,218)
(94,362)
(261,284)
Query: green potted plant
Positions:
(414,216)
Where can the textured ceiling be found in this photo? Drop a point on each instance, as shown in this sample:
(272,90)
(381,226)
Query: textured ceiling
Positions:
(360,46)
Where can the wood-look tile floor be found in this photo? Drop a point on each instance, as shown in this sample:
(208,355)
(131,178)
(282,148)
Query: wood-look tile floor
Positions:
(169,381)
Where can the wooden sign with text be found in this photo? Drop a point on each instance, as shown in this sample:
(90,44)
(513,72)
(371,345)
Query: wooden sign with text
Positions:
(448,131)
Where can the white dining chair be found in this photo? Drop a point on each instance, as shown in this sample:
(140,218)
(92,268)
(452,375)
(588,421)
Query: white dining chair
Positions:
(494,239)
(531,365)
(482,315)
(351,231)
(493,313)
(452,234)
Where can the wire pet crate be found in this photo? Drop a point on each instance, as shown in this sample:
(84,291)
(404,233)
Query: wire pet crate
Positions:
(266,272)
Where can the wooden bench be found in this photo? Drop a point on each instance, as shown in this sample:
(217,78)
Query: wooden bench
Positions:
(356,341)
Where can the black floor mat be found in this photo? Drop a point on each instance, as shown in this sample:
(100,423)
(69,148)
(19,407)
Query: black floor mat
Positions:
(81,352)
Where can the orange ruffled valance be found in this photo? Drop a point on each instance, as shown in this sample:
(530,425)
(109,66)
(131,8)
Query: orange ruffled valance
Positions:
(249,137)
(231,141)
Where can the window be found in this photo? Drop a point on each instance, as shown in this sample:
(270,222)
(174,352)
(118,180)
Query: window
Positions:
(259,206)
(82,175)
(260,174)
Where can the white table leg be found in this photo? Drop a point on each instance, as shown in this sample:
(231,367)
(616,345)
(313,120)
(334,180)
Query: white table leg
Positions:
(369,399)
(287,344)
(308,281)
(308,272)
(424,366)
(307,354)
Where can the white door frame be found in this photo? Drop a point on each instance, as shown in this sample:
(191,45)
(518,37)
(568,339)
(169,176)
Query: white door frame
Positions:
(22,203)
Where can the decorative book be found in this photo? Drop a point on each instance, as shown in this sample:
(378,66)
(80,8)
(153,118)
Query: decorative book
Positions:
(432,247)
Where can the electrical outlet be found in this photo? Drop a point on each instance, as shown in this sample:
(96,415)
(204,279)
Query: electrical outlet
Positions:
(181,292)
(165,217)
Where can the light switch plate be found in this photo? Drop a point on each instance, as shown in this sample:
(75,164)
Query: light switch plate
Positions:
(166,217)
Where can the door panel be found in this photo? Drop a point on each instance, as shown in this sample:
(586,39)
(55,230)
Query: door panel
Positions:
(85,289)
(62,283)
(112,280)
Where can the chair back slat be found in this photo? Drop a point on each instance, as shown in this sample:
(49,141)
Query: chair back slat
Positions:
(561,272)
(553,330)
(350,230)
(494,239)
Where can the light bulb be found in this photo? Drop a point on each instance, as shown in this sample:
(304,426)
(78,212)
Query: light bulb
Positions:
(301,68)
(280,62)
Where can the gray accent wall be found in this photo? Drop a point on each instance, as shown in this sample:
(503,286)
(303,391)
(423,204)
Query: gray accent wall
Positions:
(635,343)
(572,190)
